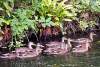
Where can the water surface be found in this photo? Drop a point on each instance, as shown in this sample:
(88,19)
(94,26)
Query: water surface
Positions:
(90,59)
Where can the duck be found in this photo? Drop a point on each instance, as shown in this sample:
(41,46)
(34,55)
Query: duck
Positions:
(58,48)
(25,52)
(89,39)
(83,44)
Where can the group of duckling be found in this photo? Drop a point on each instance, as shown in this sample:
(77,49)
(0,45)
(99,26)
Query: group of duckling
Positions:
(53,48)
(24,52)
(82,45)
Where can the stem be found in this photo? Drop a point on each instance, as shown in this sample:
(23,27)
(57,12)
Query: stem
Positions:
(36,35)
(26,36)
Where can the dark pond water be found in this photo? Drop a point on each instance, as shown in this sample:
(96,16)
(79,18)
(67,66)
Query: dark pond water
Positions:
(90,59)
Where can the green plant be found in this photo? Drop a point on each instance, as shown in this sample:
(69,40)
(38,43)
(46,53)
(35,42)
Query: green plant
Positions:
(4,21)
(7,6)
(17,45)
(56,9)
(36,5)
(86,10)
(87,5)
(86,24)
(46,22)
(52,12)
(24,14)
(21,22)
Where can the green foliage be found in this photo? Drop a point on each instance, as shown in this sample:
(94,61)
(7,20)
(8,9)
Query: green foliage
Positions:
(7,6)
(36,5)
(85,24)
(87,5)
(19,15)
(56,9)
(4,21)
(46,21)
(22,21)
(87,8)
(52,12)
(17,45)
(95,5)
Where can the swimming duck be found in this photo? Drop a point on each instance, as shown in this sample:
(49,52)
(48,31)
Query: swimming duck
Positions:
(25,52)
(90,39)
(83,44)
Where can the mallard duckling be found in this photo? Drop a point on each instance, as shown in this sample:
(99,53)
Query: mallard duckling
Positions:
(60,48)
(25,52)
(24,49)
(68,44)
(38,48)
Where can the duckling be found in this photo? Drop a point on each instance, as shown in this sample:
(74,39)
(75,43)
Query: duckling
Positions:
(68,44)
(38,48)
(60,48)
(23,50)
(29,51)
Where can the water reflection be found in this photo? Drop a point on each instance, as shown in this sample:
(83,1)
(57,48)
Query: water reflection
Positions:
(91,59)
